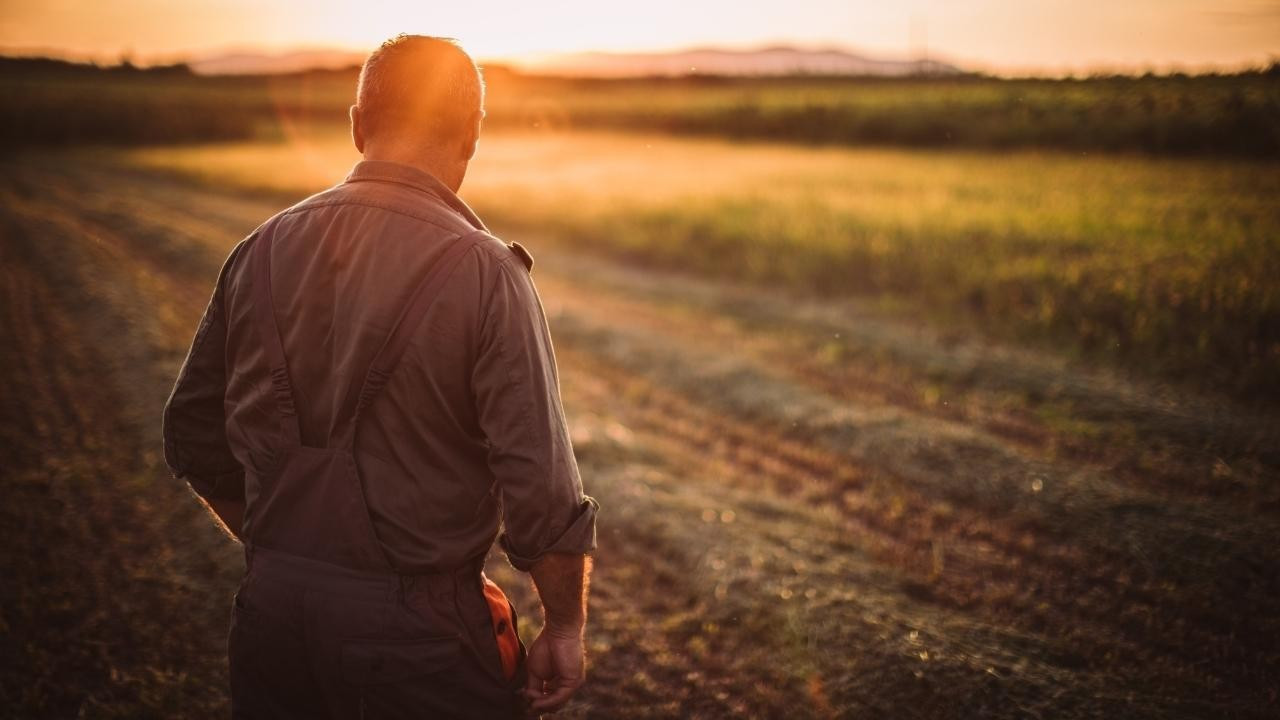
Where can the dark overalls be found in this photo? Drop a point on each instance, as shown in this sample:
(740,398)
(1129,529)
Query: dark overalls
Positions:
(323,625)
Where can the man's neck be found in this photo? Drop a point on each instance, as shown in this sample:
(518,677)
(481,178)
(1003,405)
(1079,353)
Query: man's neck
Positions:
(446,170)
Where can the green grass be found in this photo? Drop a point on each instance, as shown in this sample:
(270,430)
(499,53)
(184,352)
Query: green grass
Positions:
(1165,265)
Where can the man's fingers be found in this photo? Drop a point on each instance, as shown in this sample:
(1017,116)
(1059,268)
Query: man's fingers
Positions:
(557,692)
(547,689)
(555,700)
(533,685)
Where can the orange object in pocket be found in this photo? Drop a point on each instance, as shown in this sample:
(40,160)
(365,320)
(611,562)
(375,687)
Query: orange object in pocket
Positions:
(504,627)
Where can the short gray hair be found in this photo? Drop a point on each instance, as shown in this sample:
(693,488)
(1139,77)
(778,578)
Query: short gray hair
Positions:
(420,84)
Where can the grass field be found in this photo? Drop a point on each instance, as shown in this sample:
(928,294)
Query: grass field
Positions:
(833,484)
(1163,265)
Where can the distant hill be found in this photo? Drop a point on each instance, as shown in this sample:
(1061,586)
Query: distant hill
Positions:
(26,65)
(771,61)
(713,61)
(256,63)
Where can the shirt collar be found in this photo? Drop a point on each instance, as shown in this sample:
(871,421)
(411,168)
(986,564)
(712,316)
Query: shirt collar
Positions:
(383,171)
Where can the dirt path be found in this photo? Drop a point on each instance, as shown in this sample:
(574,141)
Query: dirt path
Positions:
(811,509)
(115,589)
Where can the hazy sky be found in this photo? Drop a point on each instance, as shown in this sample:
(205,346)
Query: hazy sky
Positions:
(1008,35)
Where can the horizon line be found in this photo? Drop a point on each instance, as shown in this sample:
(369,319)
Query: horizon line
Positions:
(530,61)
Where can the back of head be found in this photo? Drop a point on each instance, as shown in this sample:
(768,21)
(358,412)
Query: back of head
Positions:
(419,89)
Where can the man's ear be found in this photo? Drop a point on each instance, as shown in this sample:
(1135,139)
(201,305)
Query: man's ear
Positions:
(357,131)
(472,138)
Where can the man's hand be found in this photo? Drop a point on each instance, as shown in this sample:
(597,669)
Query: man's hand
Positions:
(556,659)
(555,666)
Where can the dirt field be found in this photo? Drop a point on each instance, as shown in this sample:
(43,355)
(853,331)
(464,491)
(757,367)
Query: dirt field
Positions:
(809,509)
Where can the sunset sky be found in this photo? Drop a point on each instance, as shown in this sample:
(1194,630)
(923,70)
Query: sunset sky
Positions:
(996,35)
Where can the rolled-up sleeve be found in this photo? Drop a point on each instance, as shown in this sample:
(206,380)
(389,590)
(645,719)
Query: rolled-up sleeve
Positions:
(517,395)
(194,421)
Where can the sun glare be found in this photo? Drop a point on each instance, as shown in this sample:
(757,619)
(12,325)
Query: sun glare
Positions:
(998,35)
(513,31)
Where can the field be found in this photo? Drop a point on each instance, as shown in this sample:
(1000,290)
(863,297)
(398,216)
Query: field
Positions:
(834,483)
(1232,115)
(1166,265)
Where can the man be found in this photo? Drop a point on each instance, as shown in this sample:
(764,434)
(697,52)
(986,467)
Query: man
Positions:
(370,395)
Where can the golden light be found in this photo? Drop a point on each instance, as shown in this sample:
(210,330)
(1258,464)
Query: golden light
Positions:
(998,35)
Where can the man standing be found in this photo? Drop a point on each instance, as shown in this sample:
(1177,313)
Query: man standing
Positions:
(370,397)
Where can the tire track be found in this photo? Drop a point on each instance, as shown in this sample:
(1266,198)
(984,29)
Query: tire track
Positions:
(812,585)
(111,571)
(1201,447)
(1002,592)
(1148,599)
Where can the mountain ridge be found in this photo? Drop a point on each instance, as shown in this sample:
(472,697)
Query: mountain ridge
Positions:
(765,61)
(772,60)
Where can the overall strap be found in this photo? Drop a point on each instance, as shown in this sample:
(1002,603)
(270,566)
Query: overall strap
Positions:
(397,341)
(265,317)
